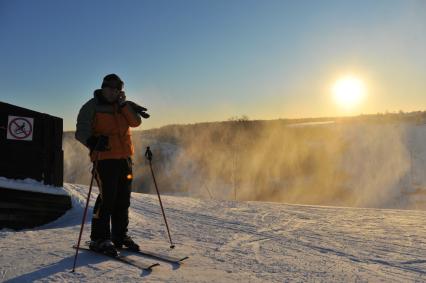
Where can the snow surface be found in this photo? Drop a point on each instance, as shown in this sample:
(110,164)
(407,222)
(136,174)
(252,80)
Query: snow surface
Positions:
(31,185)
(230,242)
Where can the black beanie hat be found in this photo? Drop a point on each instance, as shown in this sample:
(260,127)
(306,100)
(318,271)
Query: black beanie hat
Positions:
(113,81)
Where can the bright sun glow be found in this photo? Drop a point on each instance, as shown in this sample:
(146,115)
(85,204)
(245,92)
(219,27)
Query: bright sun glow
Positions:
(348,92)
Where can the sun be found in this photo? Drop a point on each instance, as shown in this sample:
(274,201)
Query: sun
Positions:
(348,92)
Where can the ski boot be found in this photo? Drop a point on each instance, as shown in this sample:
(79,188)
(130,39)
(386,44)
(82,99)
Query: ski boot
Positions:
(128,242)
(103,246)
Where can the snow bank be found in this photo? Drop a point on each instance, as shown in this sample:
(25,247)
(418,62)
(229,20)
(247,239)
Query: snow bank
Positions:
(31,185)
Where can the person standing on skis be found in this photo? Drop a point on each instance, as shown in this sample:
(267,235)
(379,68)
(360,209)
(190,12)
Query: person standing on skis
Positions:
(103,126)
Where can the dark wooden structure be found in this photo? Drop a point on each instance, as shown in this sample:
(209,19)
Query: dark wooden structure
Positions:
(30,147)
(26,209)
(40,158)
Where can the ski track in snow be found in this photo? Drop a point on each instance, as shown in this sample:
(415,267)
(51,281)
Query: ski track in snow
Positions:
(230,242)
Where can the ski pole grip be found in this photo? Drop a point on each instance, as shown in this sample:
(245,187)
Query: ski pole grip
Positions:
(148,153)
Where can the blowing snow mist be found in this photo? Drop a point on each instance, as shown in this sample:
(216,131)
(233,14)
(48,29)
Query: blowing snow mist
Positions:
(347,164)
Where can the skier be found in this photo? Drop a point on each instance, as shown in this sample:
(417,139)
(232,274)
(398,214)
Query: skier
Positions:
(103,126)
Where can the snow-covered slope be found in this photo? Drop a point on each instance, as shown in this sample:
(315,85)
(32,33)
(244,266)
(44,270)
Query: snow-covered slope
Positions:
(231,242)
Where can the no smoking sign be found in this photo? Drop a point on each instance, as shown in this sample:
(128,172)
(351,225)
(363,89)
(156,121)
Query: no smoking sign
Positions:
(20,128)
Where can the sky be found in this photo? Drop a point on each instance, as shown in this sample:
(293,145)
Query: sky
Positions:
(198,61)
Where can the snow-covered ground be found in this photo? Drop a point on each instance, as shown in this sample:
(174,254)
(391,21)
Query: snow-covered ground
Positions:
(231,242)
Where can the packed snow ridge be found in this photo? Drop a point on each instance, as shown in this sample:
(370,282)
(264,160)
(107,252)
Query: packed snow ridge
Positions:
(30,185)
(230,242)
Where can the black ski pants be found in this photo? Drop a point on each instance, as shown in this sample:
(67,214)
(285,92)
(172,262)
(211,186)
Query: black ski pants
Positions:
(114,178)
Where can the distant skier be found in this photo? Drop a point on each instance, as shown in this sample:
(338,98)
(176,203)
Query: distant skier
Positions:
(103,125)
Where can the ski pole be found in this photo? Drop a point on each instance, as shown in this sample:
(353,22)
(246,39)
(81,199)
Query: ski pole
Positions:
(95,165)
(148,155)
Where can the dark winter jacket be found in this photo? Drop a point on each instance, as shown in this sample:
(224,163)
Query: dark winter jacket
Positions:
(99,117)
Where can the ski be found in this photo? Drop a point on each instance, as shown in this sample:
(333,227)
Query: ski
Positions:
(125,259)
(159,256)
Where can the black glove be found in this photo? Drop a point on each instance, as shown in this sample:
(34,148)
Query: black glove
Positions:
(144,115)
(99,143)
(139,109)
